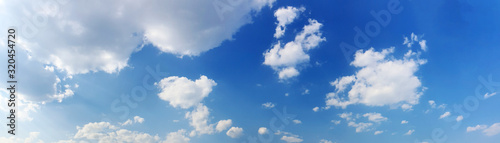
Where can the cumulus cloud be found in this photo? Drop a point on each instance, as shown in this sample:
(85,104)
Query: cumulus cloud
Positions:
(378,132)
(346,116)
(375,117)
(285,16)
(199,120)
(291,139)
(404,122)
(223,125)
(106,132)
(101,36)
(33,137)
(488,131)
(263,130)
(316,109)
(297,121)
(336,122)
(360,127)
(460,118)
(286,59)
(432,103)
(177,137)
(381,80)
(184,93)
(268,105)
(477,127)
(137,119)
(235,132)
(24,107)
(444,115)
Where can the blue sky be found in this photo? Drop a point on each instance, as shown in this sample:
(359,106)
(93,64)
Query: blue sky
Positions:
(228,71)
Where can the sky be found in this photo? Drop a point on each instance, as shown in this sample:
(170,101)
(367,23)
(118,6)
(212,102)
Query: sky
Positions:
(249,71)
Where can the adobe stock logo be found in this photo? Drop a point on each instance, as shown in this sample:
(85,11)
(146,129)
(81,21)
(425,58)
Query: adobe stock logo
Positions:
(372,28)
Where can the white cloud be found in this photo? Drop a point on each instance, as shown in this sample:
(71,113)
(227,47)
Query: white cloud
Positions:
(105,132)
(336,122)
(33,137)
(184,93)
(25,107)
(325,141)
(316,109)
(460,118)
(285,16)
(285,59)
(488,131)
(93,41)
(477,127)
(378,132)
(375,117)
(382,80)
(409,132)
(346,116)
(223,125)
(305,92)
(291,139)
(268,105)
(360,127)
(297,121)
(199,120)
(263,130)
(488,95)
(137,119)
(432,103)
(407,107)
(177,137)
(444,115)
(423,45)
(404,122)
(235,132)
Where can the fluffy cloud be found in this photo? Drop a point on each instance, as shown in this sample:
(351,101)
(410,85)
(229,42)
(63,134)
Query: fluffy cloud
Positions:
(444,115)
(316,109)
(177,137)
(268,105)
(263,130)
(235,132)
(184,93)
(33,137)
(297,121)
(477,127)
(223,125)
(375,117)
(24,107)
(378,132)
(346,116)
(285,16)
(137,119)
(106,132)
(199,120)
(460,118)
(404,122)
(285,59)
(360,127)
(101,36)
(291,139)
(488,131)
(432,103)
(381,80)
